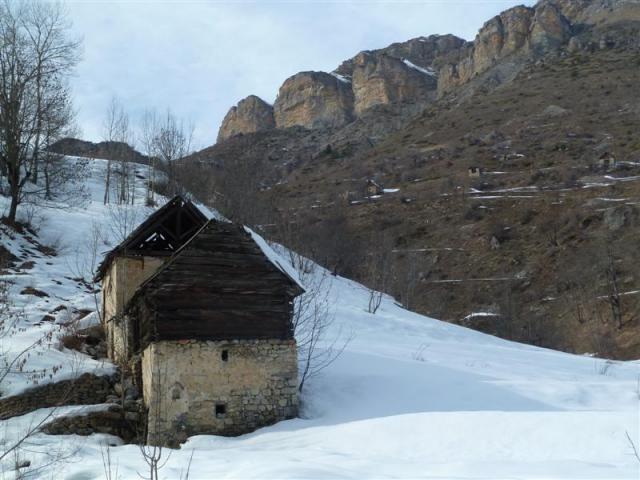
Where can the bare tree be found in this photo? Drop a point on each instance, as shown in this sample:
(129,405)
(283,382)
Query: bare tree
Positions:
(36,59)
(171,143)
(148,132)
(312,321)
(613,294)
(313,317)
(118,135)
(152,449)
(378,270)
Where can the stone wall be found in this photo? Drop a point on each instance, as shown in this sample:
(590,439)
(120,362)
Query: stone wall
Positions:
(119,284)
(85,390)
(223,387)
(113,421)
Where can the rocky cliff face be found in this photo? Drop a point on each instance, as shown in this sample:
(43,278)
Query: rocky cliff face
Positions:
(402,74)
(411,75)
(524,34)
(250,115)
(386,80)
(314,100)
(521,32)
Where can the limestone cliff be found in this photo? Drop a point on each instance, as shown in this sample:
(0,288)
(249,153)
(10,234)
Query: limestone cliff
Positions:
(314,100)
(402,74)
(524,34)
(386,80)
(519,31)
(252,114)
(408,76)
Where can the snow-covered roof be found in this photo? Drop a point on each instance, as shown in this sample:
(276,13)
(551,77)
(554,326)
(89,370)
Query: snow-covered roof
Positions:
(282,265)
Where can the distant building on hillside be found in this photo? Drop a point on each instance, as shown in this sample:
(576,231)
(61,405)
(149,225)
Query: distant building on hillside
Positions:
(206,328)
(373,188)
(607,161)
(475,172)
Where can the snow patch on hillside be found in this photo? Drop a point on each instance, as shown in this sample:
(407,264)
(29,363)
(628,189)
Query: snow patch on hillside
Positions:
(427,71)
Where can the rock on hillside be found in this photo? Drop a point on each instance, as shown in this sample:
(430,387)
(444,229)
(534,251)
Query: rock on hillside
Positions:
(250,115)
(314,100)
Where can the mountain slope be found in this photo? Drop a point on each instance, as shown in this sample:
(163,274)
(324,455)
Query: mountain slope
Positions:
(409,397)
(532,239)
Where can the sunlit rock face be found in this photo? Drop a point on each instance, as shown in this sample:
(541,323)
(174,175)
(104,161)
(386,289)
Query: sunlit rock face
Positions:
(250,115)
(314,100)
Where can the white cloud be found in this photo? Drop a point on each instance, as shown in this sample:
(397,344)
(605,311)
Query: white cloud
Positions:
(200,57)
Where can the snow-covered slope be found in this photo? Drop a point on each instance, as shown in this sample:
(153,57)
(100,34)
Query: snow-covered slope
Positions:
(410,397)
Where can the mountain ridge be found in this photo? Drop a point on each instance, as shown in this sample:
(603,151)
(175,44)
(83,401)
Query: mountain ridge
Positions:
(409,76)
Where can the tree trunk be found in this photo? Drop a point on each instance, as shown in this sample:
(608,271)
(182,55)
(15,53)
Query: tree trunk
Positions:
(13,210)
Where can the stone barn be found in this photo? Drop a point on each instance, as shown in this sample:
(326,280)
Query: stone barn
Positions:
(373,188)
(475,172)
(209,334)
(607,161)
(138,257)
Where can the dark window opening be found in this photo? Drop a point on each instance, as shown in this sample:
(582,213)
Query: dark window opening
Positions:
(221,410)
(225,355)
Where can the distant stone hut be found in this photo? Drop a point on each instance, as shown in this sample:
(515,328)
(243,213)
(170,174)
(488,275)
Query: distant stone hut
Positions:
(607,161)
(373,188)
(475,172)
(207,330)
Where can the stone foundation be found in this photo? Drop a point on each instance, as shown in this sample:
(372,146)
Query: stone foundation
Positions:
(217,387)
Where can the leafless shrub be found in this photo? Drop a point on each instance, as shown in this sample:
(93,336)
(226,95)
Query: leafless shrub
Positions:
(122,220)
(312,320)
(634,447)
(378,264)
(152,450)
(418,355)
(110,470)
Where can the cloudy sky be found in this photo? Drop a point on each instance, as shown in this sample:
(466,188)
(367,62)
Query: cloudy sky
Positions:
(199,58)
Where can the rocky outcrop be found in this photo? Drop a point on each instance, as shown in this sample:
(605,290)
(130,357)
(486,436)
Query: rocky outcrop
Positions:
(250,115)
(410,75)
(517,32)
(523,34)
(314,100)
(550,29)
(386,80)
(429,52)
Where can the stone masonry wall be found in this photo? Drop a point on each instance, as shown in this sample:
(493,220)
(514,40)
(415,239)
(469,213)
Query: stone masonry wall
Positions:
(123,278)
(223,387)
(85,390)
(113,421)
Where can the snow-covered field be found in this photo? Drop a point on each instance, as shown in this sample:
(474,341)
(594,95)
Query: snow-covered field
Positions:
(410,397)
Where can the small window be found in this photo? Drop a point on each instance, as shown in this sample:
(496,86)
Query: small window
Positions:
(221,410)
(225,355)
